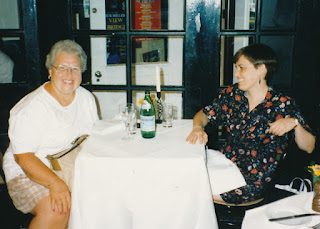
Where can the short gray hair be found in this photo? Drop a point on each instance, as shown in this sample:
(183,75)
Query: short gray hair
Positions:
(70,47)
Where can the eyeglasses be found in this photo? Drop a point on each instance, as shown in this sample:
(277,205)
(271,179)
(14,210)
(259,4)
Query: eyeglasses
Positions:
(64,69)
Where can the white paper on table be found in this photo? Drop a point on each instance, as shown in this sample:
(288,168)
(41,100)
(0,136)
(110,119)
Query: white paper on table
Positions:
(224,175)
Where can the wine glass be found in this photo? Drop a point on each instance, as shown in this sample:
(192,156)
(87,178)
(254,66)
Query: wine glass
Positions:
(127,113)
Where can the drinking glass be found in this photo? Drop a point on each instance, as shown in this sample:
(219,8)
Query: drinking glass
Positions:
(167,115)
(127,113)
(133,124)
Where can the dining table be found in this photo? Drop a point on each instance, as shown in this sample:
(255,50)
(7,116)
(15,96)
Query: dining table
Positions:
(293,205)
(158,183)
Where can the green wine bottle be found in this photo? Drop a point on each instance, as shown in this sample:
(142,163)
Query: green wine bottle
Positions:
(147,117)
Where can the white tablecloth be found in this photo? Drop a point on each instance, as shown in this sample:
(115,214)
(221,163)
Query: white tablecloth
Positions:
(158,183)
(258,217)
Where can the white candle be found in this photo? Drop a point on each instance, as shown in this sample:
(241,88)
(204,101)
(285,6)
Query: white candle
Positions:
(158,79)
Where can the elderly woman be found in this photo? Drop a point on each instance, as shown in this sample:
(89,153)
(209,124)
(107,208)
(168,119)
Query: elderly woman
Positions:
(45,122)
(258,120)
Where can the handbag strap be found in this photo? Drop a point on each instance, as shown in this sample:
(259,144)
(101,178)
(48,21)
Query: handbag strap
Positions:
(301,183)
(77,142)
(309,183)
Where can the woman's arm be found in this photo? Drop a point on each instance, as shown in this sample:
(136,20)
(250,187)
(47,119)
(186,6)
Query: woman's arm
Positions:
(304,139)
(37,171)
(200,120)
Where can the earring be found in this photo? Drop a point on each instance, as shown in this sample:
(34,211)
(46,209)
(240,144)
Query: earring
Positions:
(49,77)
(259,80)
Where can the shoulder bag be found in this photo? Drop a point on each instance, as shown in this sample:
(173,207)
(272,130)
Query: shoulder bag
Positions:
(62,163)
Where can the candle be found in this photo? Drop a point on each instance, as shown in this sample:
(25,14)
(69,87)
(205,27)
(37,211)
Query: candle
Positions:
(158,79)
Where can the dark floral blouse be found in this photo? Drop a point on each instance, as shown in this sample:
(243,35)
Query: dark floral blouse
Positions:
(249,144)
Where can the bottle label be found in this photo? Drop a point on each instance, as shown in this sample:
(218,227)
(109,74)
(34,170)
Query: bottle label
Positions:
(147,123)
(145,105)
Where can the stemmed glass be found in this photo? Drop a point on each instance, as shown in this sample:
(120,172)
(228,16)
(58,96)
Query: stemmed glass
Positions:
(127,112)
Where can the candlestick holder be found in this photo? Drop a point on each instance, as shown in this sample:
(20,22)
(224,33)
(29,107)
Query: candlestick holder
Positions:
(159,116)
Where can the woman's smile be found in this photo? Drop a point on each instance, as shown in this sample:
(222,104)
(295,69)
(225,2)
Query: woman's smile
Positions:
(65,76)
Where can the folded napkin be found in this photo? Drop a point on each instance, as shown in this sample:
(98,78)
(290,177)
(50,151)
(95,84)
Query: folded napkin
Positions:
(224,175)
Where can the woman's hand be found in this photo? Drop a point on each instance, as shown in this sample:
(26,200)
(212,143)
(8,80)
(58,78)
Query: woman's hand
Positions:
(197,133)
(282,126)
(37,171)
(60,196)
(304,139)
(200,120)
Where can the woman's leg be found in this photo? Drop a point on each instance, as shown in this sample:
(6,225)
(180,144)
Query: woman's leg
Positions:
(45,218)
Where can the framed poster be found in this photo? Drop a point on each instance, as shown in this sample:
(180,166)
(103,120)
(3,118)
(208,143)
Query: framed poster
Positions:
(115,15)
(148,49)
(147,15)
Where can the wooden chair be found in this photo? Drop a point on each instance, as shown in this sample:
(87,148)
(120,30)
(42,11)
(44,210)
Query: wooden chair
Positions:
(231,215)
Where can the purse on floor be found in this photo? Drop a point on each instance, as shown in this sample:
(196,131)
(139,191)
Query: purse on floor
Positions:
(62,163)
